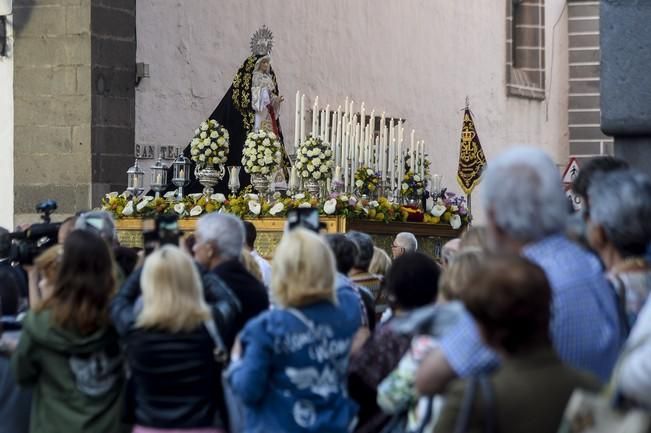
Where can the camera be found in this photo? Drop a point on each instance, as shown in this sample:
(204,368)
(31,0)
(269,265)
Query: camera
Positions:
(307,218)
(28,244)
(162,230)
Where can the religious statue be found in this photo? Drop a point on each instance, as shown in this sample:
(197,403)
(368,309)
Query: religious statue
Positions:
(264,97)
(251,103)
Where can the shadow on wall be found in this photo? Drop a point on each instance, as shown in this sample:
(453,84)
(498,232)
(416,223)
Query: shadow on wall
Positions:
(22,12)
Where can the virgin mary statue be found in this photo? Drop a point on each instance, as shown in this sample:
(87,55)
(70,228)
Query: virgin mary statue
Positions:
(251,103)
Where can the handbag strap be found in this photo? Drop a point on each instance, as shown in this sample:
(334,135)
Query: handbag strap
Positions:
(488,397)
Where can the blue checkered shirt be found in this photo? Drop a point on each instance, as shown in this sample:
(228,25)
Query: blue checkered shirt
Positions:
(585,327)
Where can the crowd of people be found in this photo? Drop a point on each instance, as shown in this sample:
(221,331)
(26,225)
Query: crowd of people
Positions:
(333,334)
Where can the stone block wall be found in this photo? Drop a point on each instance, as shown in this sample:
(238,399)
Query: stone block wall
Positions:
(73,99)
(586,138)
(112,77)
(52,104)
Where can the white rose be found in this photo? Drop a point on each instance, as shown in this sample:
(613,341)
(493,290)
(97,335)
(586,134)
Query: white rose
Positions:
(218,197)
(324,168)
(213,146)
(266,142)
(221,141)
(374,204)
(268,160)
(304,151)
(214,134)
(299,165)
(455,222)
(316,174)
(359,183)
(277,208)
(213,122)
(330,206)
(267,152)
(264,170)
(203,135)
(305,173)
(196,211)
(299,196)
(328,152)
(369,172)
(197,131)
(343,197)
(195,141)
(254,207)
(128,209)
(310,153)
(305,205)
(111,195)
(221,153)
(204,126)
(316,162)
(208,152)
(404,187)
(438,210)
(417,178)
(202,158)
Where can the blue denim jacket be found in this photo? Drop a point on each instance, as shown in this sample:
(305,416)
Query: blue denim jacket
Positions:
(292,375)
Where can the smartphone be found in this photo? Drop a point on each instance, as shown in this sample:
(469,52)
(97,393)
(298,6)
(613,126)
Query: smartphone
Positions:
(307,218)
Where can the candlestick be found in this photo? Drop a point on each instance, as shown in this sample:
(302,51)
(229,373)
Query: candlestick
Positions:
(181,173)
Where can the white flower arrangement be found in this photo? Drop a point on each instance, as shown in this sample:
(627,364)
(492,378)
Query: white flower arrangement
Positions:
(210,144)
(314,160)
(261,154)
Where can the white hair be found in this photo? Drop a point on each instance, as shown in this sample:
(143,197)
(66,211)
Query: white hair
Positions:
(408,241)
(620,202)
(523,195)
(223,230)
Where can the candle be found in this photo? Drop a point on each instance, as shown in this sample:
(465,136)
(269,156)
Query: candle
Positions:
(327,123)
(135,181)
(302,137)
(158,179)
(338,173)
(297,122)
(315,119)
(182,173)
(412,152)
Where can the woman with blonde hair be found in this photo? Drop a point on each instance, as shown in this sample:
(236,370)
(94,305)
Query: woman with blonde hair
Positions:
(380,263)
(169,340)
(289,366)
(42,276)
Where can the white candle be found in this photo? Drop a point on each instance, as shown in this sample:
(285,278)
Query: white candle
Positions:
(315,118)
(422,159)
(302,137)
(327,123)
(297,120)
(412,152)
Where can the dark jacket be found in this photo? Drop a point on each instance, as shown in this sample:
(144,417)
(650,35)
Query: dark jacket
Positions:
(175,382)
(530,393)
(251,293)
(78,381)
(15,402)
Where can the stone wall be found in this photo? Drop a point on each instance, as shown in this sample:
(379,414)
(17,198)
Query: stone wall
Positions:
(586,138)
(52,104)
(73,92)
(113,53)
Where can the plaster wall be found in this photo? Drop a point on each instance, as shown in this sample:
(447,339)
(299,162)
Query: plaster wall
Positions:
(415,59)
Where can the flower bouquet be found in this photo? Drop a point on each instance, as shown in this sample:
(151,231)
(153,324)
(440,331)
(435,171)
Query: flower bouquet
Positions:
(314,163)
(412,186)
(209,147)
(367,181)
(261,157)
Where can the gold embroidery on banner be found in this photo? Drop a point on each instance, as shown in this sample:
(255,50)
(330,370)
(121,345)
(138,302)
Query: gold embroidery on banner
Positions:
(471,156)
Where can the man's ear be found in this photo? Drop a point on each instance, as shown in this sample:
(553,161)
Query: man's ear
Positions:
(596,235)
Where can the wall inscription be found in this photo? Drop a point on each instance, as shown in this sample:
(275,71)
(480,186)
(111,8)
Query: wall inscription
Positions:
(150,151)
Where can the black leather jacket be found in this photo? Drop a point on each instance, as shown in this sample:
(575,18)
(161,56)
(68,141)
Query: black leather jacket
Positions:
(174,381)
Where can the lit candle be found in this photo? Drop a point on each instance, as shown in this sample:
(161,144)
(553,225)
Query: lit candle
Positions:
(182,173)
(135,181)
(158,179)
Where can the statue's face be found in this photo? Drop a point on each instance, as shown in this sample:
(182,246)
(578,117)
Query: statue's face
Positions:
(264,66)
